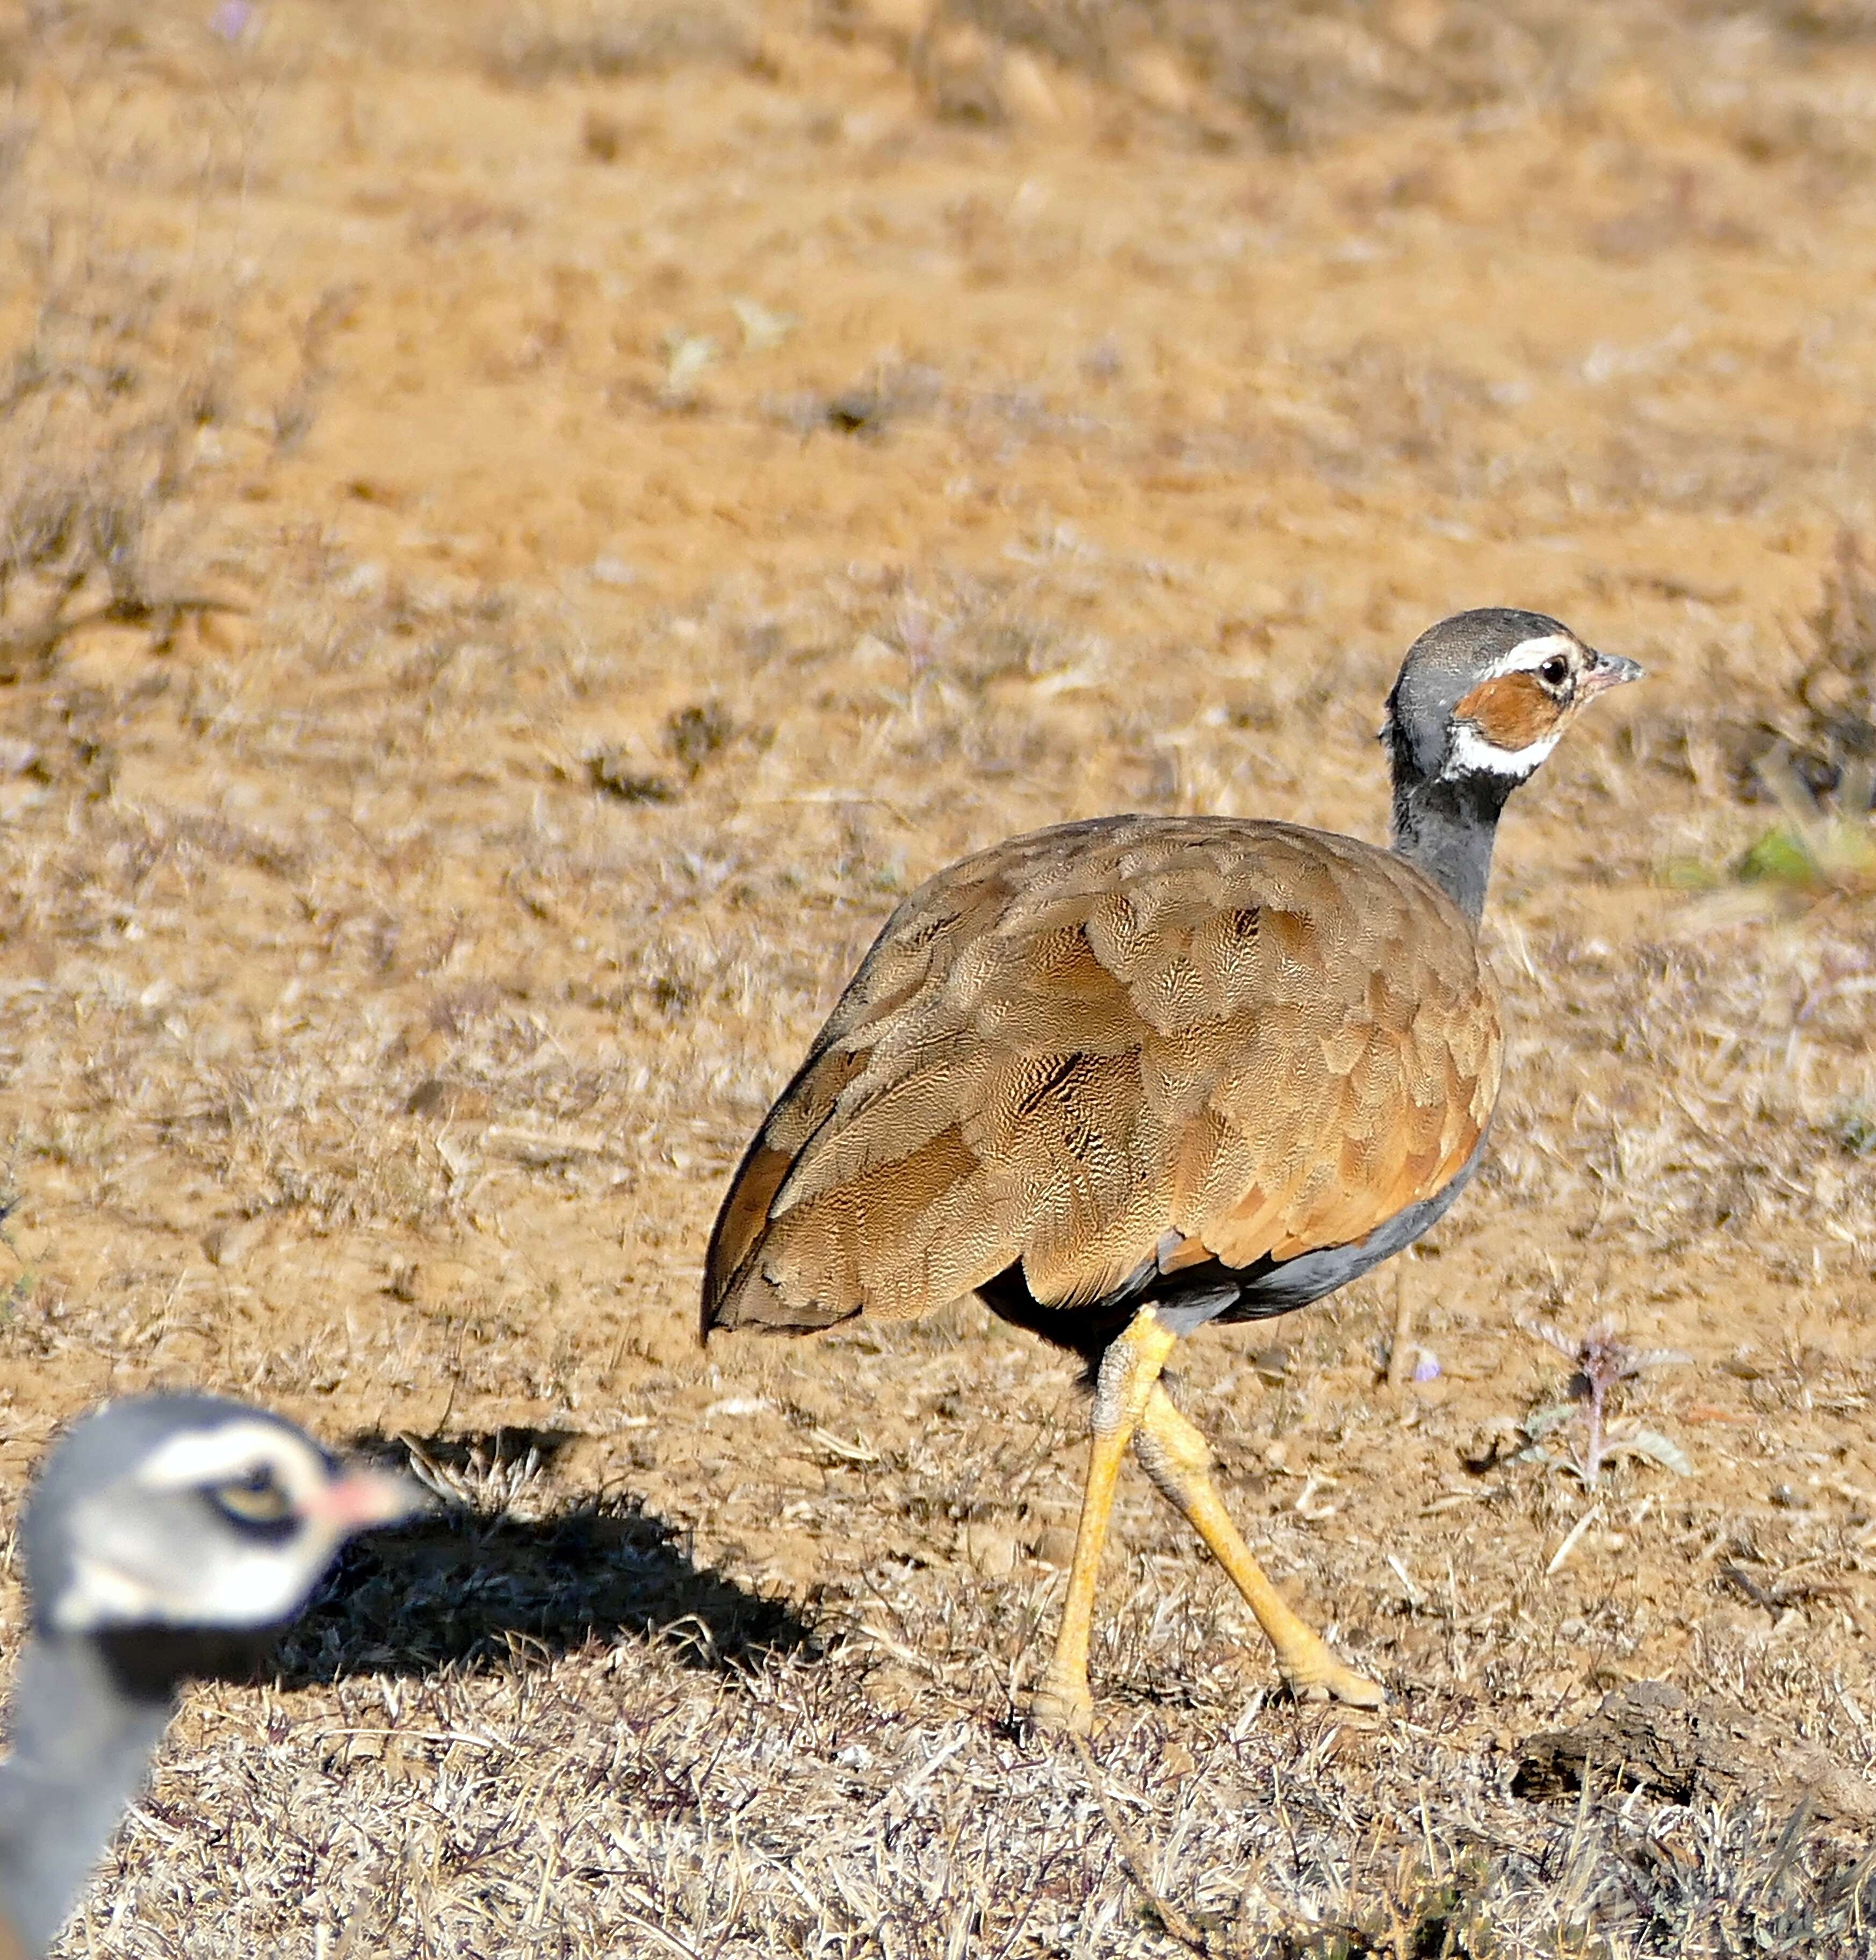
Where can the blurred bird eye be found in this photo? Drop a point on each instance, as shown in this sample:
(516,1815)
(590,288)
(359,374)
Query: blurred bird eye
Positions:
(1555,671)
(256,1499)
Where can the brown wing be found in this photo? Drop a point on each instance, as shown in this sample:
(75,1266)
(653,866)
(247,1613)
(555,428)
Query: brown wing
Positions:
(1188,1036)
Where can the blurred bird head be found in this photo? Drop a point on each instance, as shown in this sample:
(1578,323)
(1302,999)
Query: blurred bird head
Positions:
(188,1511)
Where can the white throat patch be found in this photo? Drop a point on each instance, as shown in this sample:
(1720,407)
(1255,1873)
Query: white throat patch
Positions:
(99,1594)
(1469,754)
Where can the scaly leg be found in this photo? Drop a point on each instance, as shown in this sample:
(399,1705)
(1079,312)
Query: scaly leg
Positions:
(1179,1460)
(1129,1370)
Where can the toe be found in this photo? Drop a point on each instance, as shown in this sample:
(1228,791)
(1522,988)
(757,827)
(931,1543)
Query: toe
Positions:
(1058,1711)
(1328,1680)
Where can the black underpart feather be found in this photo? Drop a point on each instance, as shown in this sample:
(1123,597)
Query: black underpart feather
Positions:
(1447,829)
(1195,1295)
(149,1663)
(1187,1298)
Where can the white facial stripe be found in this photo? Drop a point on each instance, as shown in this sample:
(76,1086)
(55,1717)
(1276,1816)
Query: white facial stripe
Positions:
(101,1595)
(255,1585)
(1529,654)
(198,1457)
(1469,754)
(121,1575)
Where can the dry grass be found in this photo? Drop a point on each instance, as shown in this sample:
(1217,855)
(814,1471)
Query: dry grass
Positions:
(1271,74)
(458,731)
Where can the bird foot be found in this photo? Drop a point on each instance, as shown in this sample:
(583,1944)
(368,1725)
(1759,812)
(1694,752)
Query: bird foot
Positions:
(1321,1677)
(1057,1710)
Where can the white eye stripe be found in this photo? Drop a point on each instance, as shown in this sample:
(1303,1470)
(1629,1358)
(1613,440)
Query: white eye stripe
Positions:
(1528,655)
(231,1450)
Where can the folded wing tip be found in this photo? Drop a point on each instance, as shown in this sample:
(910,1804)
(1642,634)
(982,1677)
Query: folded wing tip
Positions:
(751,1299)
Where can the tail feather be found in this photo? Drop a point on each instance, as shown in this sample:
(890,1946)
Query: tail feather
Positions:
(752,1299)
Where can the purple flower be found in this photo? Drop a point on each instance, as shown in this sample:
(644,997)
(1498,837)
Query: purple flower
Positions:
(231,20)
(1426,1368)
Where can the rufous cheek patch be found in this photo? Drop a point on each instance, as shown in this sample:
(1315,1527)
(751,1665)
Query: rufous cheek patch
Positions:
(1511,711)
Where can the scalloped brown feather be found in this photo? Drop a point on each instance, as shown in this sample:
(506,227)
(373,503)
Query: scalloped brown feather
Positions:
(1140,1037)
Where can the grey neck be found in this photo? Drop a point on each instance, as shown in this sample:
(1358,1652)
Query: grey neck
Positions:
(1445,828)
(82,1739)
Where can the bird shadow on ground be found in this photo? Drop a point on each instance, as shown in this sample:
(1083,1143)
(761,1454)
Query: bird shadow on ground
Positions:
(471,1585)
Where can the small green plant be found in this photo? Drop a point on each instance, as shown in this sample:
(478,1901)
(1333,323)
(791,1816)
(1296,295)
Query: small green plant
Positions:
(25,1282)
(1431,1918)
(1602,1361)
(1853,1125)
(693,734)
(1818,768)
(1818,848)
(18,1295)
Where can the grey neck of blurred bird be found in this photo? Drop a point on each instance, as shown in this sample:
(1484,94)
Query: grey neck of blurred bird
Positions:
(1445,827)
(82,1741)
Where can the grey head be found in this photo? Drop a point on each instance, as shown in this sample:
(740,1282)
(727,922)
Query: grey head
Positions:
(190,1511)
(165,1537)
(1480,701)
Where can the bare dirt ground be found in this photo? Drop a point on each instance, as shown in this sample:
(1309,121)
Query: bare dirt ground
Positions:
(524,529)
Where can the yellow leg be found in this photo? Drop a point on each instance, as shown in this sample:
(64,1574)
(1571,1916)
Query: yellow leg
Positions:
(1179,1460)
(1129,1370)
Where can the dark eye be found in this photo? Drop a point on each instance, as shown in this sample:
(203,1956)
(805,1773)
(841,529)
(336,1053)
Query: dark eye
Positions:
(1555,671)
(256,1499)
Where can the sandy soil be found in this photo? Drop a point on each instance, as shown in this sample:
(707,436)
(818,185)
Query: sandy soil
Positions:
(523,530)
